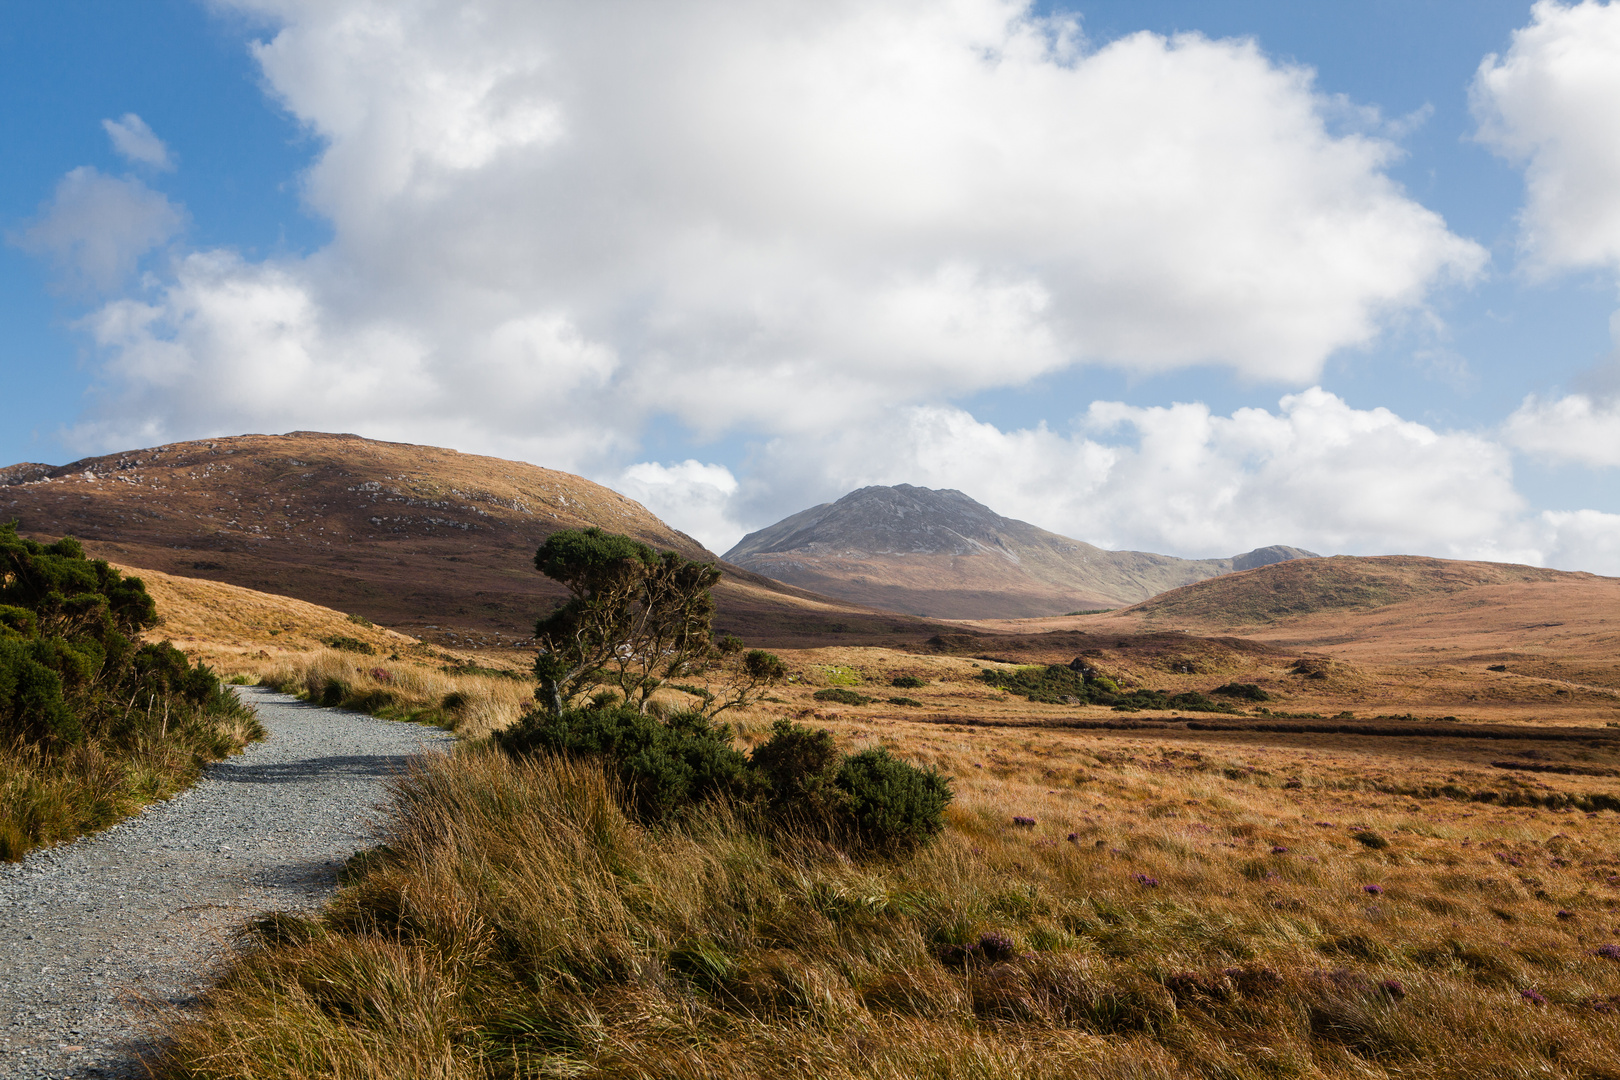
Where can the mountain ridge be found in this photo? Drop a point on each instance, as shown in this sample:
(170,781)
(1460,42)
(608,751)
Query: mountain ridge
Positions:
(427,540)
(940,553)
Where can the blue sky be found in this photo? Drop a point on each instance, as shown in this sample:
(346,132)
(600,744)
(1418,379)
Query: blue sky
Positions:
(736,265)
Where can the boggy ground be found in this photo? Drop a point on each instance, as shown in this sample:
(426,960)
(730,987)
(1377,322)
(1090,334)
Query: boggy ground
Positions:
(1402,898)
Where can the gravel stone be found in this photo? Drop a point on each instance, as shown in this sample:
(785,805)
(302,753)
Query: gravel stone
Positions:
(102,938)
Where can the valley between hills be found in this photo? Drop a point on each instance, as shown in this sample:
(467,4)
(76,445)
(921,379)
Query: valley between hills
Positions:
(1352,816)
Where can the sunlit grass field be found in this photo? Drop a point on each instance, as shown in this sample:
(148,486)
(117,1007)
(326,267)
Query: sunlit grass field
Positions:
(1162,902)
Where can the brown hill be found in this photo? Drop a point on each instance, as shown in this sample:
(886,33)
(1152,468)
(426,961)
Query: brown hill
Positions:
(1443,619)
(1344,583)
(939,553)
(430,541)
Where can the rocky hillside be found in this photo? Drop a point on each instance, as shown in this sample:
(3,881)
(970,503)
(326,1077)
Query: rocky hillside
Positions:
(941,554)
(431,542)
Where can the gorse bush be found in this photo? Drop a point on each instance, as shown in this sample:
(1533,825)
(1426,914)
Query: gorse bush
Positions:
(908,682)
(636,619)
(1245,691)
(1058,684)
(92,722)
(842,696)
(796,782)
(893,806)
(666,767)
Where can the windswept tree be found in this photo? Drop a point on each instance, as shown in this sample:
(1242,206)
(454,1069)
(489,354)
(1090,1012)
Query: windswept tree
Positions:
(635,619)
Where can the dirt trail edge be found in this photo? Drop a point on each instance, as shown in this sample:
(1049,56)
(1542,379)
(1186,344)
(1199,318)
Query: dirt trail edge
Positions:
(101,936)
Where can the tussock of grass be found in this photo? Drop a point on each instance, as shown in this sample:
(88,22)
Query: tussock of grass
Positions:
(47,796)
(518,924)
(468,701)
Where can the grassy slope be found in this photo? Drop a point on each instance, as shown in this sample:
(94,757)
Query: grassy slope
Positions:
(1306,587)
(429,541)
(521,926)
(1171,914)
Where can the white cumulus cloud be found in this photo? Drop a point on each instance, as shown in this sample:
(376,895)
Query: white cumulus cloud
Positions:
(1553,103)
(1574,428)
(773,217)
(96,227)
(692,496)
(135,141)
(1315,473)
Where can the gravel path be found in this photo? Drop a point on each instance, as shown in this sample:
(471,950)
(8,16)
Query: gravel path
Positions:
(99,937)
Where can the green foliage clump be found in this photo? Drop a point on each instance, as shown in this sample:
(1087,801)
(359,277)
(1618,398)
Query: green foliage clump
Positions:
(361,620)
(1245,690)
(345,643)
(842,696)
(908,702)
(634,618)
(665,766)
(1052,684)
(870,801)
(894,806)
(908,682)
(797,781)
(77,686)
(1057,684)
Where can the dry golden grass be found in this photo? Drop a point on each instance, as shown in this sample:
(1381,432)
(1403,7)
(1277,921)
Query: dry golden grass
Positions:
(1146,925)
(258,637)
(469,703)
(235,628)
(1187,902)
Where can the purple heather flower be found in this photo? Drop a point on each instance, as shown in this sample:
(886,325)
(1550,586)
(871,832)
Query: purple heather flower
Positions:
(1393,989)
(1074,838)
(1023,822)
(1532,997)
(1279,850)
(1147,882)
(1373,890)
(1608,952)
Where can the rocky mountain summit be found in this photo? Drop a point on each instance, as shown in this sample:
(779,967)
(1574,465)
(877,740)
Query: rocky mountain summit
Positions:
(942,554)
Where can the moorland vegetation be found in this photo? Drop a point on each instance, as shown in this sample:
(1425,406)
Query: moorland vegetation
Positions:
(93,722)
(626,886)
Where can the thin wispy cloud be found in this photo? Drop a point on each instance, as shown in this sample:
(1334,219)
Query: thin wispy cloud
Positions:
(135,142)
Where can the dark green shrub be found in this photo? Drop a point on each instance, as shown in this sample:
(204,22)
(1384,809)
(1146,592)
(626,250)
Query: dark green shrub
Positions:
(842,696)
(349,644)
(1050,685)
(908,702)
(665,765)
(335,692)
(894,807)
(908,682)
(1248,691)
(799,770)
(72,675)
(163,669)
(868,801)
(31,703)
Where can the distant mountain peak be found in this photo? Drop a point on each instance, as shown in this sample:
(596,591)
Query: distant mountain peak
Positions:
(898,519)
(929,551)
